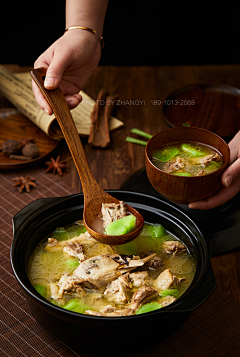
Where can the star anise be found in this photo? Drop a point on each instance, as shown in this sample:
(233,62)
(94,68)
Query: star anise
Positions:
(24,183)
(56,165)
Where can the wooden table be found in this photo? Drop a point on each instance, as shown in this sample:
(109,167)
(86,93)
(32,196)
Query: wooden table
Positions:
(112,166)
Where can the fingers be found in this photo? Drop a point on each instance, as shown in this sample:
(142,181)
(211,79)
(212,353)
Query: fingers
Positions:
(56,64)
(73,100)
(231,174)
(221,197)
(54,74)
(40,99)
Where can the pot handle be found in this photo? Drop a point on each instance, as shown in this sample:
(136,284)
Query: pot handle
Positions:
(32,207)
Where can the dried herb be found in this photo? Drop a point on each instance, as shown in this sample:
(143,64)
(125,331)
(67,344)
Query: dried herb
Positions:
(24,183)
(11,146)
(26,141)
(30,150)
(20,157)
(102,110)
(56,166)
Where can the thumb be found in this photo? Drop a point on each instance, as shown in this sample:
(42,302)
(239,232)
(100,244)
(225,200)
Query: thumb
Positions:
(231,174)
(55,71)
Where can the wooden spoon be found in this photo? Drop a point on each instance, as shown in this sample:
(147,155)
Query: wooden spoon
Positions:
(94,195)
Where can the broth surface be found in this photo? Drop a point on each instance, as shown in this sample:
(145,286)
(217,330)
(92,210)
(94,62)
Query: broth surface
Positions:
(187,159)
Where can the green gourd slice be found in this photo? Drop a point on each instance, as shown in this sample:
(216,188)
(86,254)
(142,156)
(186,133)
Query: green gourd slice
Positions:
(72,264)
(153,230)
(121,226)
(187,174)
(188,148)
(151,306)
(76,306)
(60,234)
(171,292)
(41,289)
(165,154)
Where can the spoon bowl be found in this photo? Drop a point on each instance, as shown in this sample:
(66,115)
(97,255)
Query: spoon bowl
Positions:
(94,195)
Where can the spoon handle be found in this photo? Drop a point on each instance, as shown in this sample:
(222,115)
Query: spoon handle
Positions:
(56,100)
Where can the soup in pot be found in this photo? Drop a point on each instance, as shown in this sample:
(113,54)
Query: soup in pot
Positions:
(72,270)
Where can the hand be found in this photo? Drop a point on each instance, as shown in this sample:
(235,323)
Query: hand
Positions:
(230,180)
(70,61)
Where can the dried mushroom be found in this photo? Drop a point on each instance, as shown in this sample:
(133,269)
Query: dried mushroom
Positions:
(11,146)
(30,150)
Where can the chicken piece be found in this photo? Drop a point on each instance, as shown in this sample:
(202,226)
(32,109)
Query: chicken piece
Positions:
(140,296)
(116,292)
(205,160)
(53,245)
(69,285)
(139,278)
(166,279)
(175,165)
(126,280)
(52,242)
(173,247)
(124,312)
(108,308)
(176,281)
(55,294)
(134,263)
(200,172)
(75,249)
(155,263)
(111,212)
(97,271)
(168,300)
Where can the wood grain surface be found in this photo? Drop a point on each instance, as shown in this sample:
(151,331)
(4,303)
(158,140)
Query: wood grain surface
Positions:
(140,89)
(213,107)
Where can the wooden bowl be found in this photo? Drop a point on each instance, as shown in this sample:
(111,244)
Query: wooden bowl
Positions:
(182,189)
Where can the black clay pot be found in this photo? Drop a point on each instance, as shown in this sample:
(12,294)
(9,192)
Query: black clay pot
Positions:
(40,218)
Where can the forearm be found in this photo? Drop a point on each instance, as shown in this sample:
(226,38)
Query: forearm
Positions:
(89,13)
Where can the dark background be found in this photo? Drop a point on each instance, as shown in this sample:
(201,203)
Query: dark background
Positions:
(135,32)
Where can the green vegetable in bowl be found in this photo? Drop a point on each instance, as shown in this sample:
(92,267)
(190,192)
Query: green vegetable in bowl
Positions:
(187,174)
(41,289)
(153,230)
(171,292)
(60,234)
(165,154)
(76,306)
(151,306)
(188,148)
(76,230)
(72,264)
(214,165)
(121,226)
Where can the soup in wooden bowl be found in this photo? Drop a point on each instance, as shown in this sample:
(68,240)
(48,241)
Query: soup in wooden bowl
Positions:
(185,164)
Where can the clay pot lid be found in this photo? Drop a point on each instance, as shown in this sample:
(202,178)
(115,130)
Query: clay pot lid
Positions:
(215,107)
